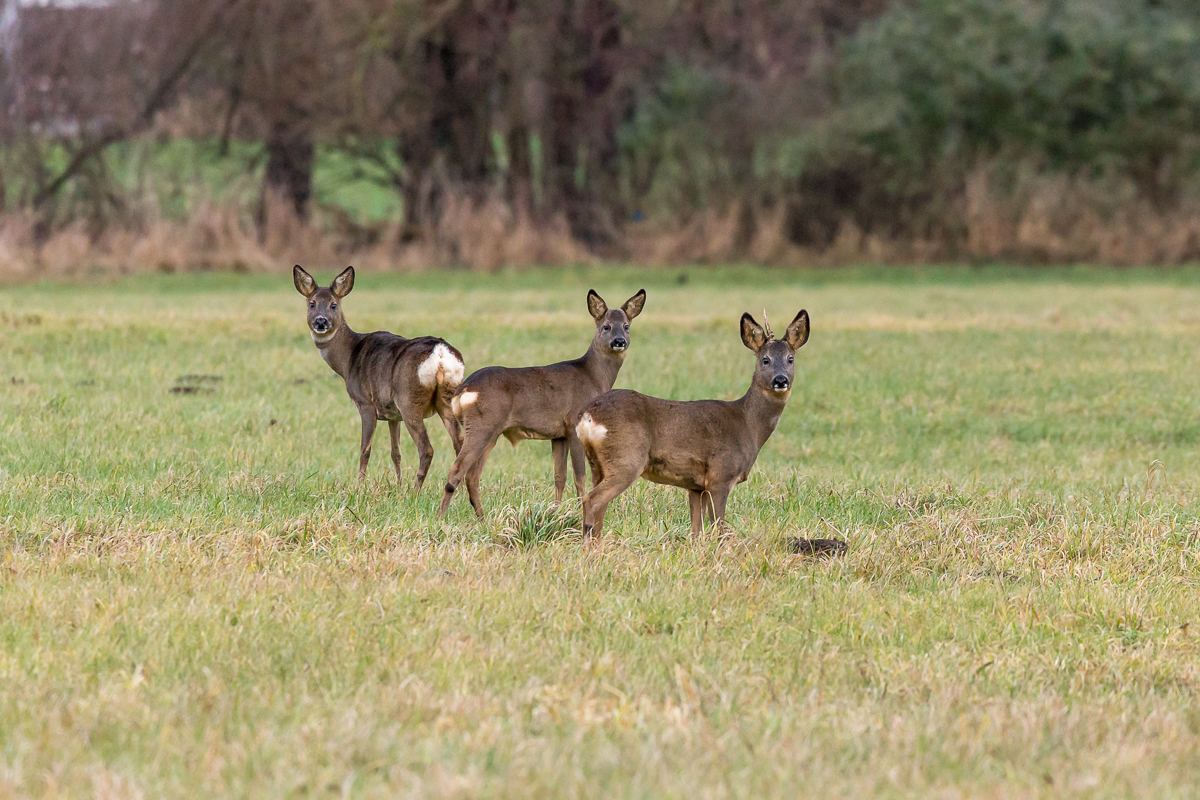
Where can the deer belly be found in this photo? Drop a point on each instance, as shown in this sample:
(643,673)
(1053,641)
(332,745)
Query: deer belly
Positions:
(533,423)
(515,435)
(683,473)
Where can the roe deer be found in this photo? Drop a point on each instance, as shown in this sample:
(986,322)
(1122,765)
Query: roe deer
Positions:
(539,402)
(387,376)
(704,446)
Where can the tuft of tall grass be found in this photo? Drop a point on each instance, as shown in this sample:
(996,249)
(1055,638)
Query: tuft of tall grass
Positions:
(528,525)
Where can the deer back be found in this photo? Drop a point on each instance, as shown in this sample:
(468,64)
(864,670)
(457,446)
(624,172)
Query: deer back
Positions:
(543,401)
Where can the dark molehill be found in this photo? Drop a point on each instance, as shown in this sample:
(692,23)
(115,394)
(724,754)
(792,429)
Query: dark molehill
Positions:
(196,384)
(824,548)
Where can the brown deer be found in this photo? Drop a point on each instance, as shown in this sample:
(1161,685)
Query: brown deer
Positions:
(539,402)
(704,446)
(387,376)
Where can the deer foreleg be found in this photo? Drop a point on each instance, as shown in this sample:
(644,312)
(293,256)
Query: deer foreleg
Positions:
(696,506)
(364,450)
(559,448)
(578,462)
(715,506)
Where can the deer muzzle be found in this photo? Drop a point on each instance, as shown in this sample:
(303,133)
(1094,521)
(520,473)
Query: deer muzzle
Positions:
(320,325)
(619,345)
(781,384)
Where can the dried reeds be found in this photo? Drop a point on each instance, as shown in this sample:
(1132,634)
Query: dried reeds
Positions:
(1032,220)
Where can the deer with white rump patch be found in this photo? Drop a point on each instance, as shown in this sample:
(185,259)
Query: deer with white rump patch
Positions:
(539,402)
(387,376)
(704,446)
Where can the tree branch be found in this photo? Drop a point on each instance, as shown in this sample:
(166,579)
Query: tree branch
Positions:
(155,102)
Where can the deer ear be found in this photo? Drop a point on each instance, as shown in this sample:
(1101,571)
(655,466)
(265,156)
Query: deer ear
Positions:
(305,284)
(797,332)
(633,306)
(343,283)
(596,306)
(753,336)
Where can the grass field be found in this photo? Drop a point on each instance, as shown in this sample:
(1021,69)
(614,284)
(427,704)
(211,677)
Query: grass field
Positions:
(197,599)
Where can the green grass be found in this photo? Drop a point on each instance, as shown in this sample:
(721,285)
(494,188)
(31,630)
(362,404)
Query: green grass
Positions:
(178,176)
(198,599)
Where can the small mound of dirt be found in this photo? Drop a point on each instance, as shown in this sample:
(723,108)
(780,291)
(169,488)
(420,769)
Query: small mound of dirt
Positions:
(196,384)
(822,548)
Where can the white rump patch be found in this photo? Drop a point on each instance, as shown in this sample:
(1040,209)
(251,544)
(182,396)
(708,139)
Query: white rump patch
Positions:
(589,431)
(463,400)
(441,368)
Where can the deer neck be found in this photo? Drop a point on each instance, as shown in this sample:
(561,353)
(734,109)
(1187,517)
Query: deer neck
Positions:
(337,348)
(762,409)
(602,366)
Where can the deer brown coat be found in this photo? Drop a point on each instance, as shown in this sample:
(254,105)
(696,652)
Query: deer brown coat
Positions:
(704,446)
(539,402)
(388,377)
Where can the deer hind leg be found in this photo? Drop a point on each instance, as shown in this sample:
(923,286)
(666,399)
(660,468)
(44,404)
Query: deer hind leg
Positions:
(616,479)
(473,480)
(420,437)
(368,434)
(394,433)
(455,431)
(475,447)
(449,422)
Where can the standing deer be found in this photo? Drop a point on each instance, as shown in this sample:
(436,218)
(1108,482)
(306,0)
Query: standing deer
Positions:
(539,402)
(704,446)
(387,376)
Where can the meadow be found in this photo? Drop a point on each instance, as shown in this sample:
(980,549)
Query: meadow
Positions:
(197,598)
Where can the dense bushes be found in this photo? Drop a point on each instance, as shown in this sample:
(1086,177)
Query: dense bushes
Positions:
(931,92)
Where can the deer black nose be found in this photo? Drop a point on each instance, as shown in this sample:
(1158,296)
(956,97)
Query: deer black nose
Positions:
(780,383)
(620,344)
(320,324)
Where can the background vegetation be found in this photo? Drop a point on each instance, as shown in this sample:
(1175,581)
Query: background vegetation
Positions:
(196,596)
(487,132)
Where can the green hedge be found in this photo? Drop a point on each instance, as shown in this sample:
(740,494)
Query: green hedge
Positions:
(928,89)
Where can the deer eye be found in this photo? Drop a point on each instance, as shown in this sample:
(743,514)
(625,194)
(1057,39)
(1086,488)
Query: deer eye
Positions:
(608,327)
(312,304)
(766,360)
(626,326)
(791,359)
(333,306)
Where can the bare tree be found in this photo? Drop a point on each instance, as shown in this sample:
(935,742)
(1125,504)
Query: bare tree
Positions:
(85,77)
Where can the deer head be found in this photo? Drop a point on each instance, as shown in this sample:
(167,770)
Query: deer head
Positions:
(612,324)
(776,369)
(324,305)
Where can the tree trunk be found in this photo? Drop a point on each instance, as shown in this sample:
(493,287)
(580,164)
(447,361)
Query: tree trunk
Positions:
(290,157)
